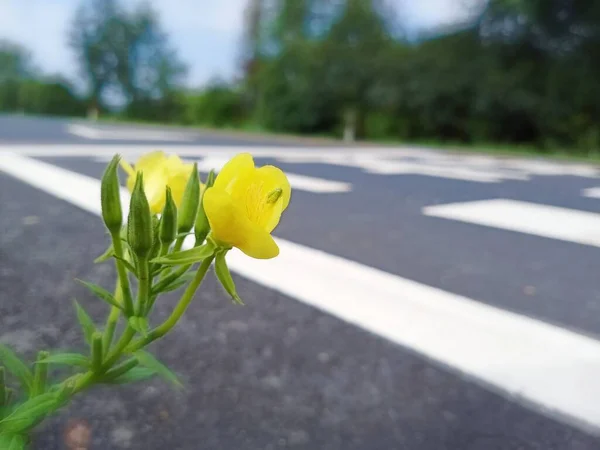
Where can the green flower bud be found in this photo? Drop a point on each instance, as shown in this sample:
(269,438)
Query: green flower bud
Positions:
(201,225)
(189,202)
(110,196)
(168,221)
(139,223)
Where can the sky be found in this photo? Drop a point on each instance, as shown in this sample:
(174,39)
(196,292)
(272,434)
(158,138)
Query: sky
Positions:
(207,33)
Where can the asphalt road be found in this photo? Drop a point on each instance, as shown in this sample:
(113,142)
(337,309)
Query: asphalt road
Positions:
(295,368)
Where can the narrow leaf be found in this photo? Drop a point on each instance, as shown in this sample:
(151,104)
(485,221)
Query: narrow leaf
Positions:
(68,359)
(102,293)
(224,277)
(29,413)
(190,256)
(148,360)
(17,367)
(133,375)
(127,265)
(106,255)
(12,442)
(86,322)
(173,285)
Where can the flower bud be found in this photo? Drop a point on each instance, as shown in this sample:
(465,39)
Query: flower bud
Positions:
(139,223)
(110,196)
(189,203)
(168,221)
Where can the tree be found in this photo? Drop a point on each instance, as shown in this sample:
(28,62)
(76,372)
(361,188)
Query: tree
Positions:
(92,38)
(126,50)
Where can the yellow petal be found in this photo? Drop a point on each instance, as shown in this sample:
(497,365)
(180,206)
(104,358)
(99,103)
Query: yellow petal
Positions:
(230,226)
(236,168)
(260,245)
(251,190)
(275,177)
(150,161)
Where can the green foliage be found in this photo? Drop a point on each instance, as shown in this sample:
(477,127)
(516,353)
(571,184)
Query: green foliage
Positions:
(147,360)
(219,105)
(87,325)
(16,367)
(224,276)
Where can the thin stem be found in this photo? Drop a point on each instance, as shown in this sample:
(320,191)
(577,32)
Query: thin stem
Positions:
(143,286)
(178,244)
(122,272)
(113,319)
(184,302)
(125,339)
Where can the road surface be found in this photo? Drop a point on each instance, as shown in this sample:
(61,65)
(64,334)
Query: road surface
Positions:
(422,300)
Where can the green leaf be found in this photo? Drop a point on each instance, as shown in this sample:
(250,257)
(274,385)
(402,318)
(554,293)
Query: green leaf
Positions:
(173,285)
(127,265)
(30,413)
(224,277)
(101,293)
(190,256)
(139,324)
(17,367)
(12,442)
(86,322)
(69,359)
(148,360)
(133,375)
(109,253)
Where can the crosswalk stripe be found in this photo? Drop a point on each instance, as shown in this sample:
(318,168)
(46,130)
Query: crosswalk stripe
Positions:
(526,359)
(541,220)
(129,134)
(591,192)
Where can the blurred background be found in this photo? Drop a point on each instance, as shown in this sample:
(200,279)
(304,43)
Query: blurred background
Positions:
(437,287)
(514,72)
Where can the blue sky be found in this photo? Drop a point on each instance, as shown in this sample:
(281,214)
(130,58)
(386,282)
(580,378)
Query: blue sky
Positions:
(207,33)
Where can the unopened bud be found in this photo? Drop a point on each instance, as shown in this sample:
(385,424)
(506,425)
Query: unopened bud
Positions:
(168,221)
(189,203)
(139,223)
(274,195)
(110,197)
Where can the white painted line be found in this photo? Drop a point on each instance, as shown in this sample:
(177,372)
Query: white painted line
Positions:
(131,134)
(591,192)
(526,359)
(541,220)
(299,182)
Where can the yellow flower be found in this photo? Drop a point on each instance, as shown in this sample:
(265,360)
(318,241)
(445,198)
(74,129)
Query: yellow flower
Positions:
(159,171)
(245,205)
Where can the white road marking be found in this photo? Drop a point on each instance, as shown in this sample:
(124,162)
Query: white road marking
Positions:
(591,192)
(128,134)
(299,182)
(526,359)
(541,220)
(377,160)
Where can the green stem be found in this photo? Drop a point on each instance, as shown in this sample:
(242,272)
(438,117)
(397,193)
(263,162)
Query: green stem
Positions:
(122,273)
(143,287)
(125,339)
(113,319)
(178,244)
(184,302)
